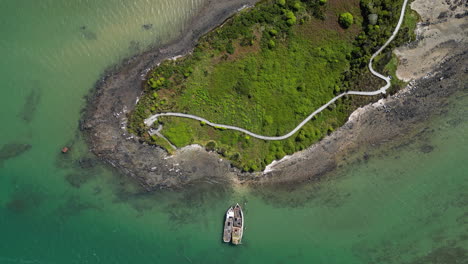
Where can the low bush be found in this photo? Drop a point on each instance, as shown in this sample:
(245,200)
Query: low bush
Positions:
(346,19)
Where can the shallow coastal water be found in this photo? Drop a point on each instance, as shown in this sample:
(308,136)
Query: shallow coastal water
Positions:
(401,205)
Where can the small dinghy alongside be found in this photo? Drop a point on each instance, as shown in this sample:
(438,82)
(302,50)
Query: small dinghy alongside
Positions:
(227,233)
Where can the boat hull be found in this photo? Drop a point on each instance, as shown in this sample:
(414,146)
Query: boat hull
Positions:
(228,224)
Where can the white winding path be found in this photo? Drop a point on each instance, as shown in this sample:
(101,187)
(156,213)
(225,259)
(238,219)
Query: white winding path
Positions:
(149,121)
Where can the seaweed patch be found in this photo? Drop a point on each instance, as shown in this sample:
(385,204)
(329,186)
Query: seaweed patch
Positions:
(74,206)
(23,199)
(30,105)
(12,150)
(78,179)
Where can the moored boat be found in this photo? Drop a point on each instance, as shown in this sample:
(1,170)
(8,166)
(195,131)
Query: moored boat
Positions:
(238,225)
(228,222)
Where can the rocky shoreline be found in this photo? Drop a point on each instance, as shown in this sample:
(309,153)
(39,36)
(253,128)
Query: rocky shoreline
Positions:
(104,120)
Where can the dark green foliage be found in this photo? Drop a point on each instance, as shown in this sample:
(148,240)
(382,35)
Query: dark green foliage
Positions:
(211,145)
(230,48)
(271,44)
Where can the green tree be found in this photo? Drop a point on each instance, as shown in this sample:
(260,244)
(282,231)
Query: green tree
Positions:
(290,17)
(346,20)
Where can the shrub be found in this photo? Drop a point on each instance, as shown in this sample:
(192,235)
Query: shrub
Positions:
(268,120)
(253,168)
(346,20)
(223,152)
(236,156)
(297,6)
(271,44)
(290,17)
(211,145)
(230,48)
(281,2)
(156,84)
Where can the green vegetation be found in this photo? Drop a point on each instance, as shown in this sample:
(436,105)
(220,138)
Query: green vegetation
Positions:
(265,70)
(346,19)
(159,141)
(387,62)
(180,135)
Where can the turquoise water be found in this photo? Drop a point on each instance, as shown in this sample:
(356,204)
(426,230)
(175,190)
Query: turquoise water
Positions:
(403,205)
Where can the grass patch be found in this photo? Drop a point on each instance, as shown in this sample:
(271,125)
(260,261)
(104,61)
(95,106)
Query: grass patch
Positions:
(159,141)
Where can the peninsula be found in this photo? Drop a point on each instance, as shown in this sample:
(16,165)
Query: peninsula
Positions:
(283,71)
(117,134)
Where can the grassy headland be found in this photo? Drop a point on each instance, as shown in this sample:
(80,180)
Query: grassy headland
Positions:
(265,70)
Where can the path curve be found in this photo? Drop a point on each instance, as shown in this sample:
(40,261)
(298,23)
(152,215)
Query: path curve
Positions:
(149,121)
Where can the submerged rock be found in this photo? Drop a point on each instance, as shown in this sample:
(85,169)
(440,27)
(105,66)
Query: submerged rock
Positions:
(426,148)
(147,26)
(88,34)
